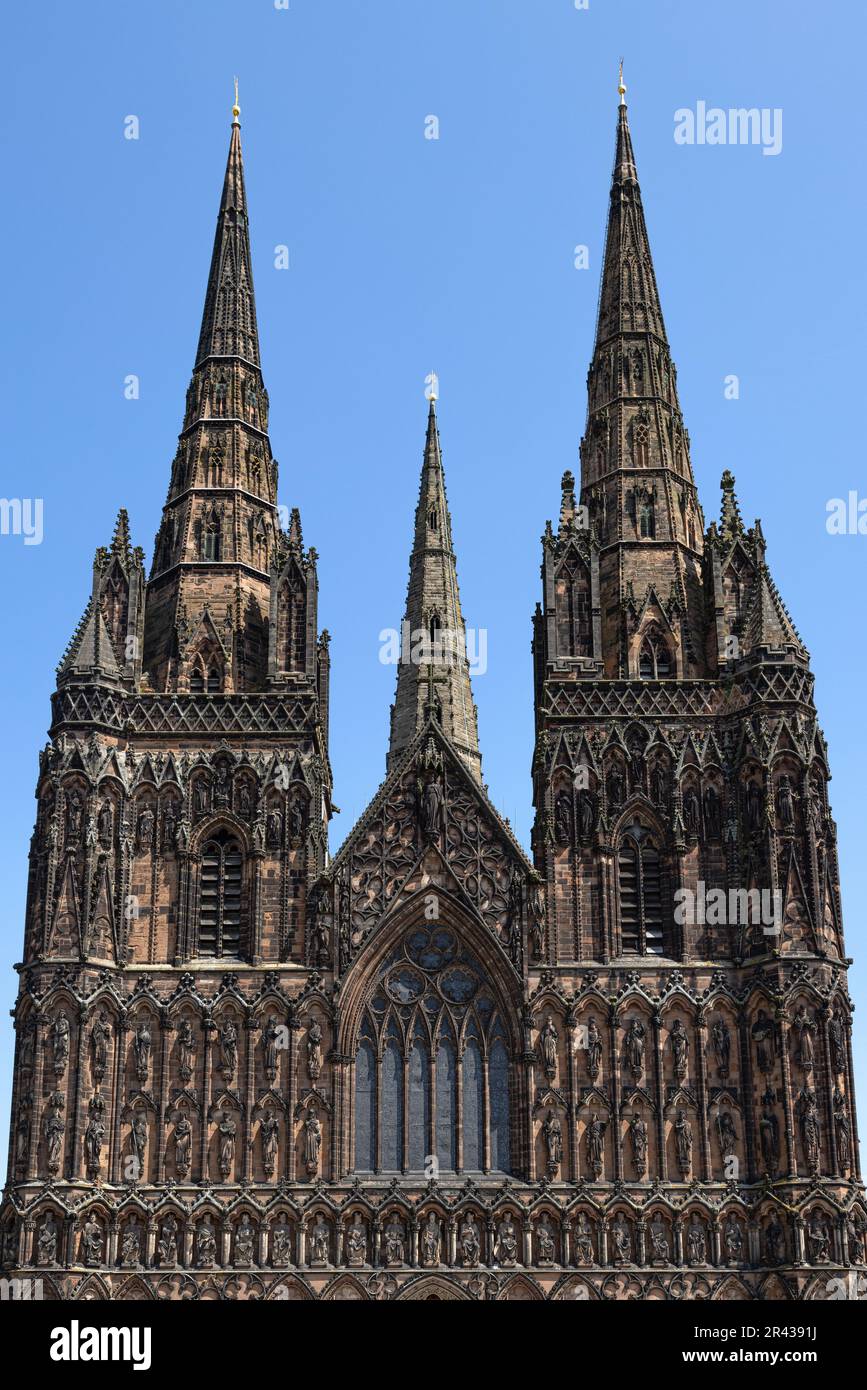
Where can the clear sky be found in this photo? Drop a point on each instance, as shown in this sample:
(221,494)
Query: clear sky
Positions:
(408,254)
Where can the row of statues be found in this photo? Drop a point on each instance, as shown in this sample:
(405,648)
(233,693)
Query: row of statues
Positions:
(764,1032)
(510,1241)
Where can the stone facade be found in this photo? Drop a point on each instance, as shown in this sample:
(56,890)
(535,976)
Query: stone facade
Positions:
(430,1068)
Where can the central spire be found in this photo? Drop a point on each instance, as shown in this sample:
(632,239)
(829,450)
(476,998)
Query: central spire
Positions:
(433,678)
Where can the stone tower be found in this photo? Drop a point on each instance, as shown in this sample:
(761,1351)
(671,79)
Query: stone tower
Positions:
(429,1068)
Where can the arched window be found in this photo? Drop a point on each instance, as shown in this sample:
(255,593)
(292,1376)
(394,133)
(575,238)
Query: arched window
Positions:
(646,519)
(220,897)
(197,681)
(215,681)
(654,660)
(572,605)
(640,885)
(211,539)
(433,1029)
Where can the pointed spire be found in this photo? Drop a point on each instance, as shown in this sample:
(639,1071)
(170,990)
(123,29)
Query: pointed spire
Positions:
(768,623)
(636,475)
(229,317)
(433,679)
(120,541)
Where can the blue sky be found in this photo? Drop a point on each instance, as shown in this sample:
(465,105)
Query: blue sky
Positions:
(408,254)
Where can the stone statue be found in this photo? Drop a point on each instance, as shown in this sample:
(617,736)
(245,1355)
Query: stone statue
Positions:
(683,1142)
(722,1046)
(545,1242)
(659,785)
(842,1131)
(312,1141)
(553,1132)
(431,1239)
(712,816)
(563,817)
(94,1136)
(170,824)
(691,814)
(818,1238)
(634,1047)
(638,1142)
(659,1245)
(105,824)
(506,1247)
(728,1136)
(595,1141)
(837,1039)
(269,1129)
(586,813)
(145,830)
(769,1136)
(186,1049)
(297,818)
(46,1242)
(319,1242)
(775,1242)
(615,786)
(99,1036)
(183,1145)
(468,1237)
(270,1038)
(755,806)
(696,1244)
(206,1244)
(622,1239)
(763,1037)
(60,1043)
(810,1129)
(395,1250)
(594,1049)
(733,1241)
(227,1129)
(281,1244)
(139,1143)
(91,1242)
(314,1050)
(786,805)
(584,1240)
(167,1245)
(130,1246)
(679,1048)
(53,1130)
(803,1029)
(356,1242)
(431,808)
(274,828)
(74,817)
(228,1036)
(244,1242)
(548,1038)
(142,1051)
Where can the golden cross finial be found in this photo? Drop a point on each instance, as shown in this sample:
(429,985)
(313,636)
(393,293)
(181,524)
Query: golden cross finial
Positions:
(620,85)
(236,110)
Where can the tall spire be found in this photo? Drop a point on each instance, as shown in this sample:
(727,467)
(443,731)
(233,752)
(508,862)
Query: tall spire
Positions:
(229,317)
(636,476)
(209,592)
(433,678)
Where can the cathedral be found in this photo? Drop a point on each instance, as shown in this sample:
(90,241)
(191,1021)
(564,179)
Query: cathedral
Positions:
(432,1066)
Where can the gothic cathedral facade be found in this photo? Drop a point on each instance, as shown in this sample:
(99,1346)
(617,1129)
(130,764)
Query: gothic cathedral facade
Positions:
(431,1067)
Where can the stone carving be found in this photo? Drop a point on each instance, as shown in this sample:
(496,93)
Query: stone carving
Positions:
(245,1237)
(468,1239)
(506,1246)
(595,1141)
(167,1244)
(803,1029)
(548,1038)
(722,1046)
(545,1242)
(679,1048)
(53,1130)
(633,1048)
(594,1049)
(733,1241)
(228,1036)
(94,1135)
(696,1242)
(356,1242)
(769,1135)
(186,1049)
(553,1134)
(281,1244)
(659,1245)
(810,1134)
(314,1050)
(395,1248)
(183,1138)
(431,1241)
(131,1245)
(206,1244)
(763,1033)
(269,1129)
(99,1036)
(142,1052)
(270,1039)
(621,1239)
(584,1240)
(91,1242)
(319,1243)
(638,1143)
(312,1142)
(818,1237)
(227,1130)
(60,1044)
(46,1242)
(683,1142)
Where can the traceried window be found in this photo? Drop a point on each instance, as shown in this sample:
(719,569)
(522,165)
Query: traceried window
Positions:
(654,660)
(220,896)
(641,898)
(197,681)
(432,1047)
(572,602)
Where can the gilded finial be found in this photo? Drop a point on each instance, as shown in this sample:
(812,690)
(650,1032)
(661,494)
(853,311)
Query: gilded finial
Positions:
(236,110)
(621,86)
(432,387)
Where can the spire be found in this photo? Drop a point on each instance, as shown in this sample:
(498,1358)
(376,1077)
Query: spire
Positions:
(219,530)
(229,317)
(730,524)
(636,476)
(433,678)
